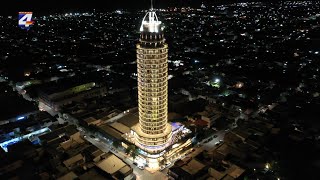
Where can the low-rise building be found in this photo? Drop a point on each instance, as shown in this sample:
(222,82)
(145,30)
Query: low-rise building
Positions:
(54,96)
(190,170)
(115,167)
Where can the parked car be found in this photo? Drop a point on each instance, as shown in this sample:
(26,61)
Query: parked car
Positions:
(214,136)
(141,167)
(162,167)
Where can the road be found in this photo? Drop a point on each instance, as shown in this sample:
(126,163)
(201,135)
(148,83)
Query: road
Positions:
(140,174)
(210,144)
(158,175)
(220,136)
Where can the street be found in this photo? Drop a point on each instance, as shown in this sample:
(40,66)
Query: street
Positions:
(140,174)
(209,145)
(144,174)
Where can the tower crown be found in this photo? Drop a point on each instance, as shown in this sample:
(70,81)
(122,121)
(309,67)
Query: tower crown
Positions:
(151,23)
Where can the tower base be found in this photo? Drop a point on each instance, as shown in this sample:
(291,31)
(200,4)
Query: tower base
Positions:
(156,158)
(152,144)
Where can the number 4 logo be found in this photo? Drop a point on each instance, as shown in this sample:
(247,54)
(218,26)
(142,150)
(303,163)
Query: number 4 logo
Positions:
(25,20)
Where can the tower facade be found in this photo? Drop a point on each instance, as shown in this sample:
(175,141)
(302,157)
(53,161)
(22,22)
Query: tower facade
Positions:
(153,133)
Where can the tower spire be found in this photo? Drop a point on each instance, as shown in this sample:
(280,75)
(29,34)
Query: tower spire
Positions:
(151,5)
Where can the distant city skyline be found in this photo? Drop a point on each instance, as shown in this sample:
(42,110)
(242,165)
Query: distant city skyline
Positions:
(59,5)
(37,5)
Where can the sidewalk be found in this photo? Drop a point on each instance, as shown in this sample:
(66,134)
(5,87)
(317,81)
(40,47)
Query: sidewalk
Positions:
(152,171)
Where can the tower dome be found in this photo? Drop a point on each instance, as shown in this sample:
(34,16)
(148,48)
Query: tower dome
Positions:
(151,23)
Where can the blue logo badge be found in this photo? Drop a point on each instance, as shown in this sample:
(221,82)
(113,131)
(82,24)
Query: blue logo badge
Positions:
(25,20)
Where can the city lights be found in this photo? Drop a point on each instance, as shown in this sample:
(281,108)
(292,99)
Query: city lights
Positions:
(267,166)
(225,90)
(21,117)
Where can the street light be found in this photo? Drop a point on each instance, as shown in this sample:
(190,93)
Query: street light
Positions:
(267,166)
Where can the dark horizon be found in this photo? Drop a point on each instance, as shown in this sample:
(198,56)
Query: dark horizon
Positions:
(60,5)
(12,7)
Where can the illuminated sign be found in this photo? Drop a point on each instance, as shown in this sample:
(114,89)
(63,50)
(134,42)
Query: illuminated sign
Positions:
(20,118)
(25,20)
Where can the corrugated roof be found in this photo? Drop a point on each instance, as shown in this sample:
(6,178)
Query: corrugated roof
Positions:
(110,131)
(193,167)
(120,127)
(129,120)
(111,164)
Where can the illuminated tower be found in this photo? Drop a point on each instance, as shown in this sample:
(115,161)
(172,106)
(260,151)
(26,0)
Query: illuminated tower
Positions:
(153,133)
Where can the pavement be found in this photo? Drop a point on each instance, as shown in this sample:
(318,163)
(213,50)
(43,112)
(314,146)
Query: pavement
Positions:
(140,174)
(212,143)
(143,174)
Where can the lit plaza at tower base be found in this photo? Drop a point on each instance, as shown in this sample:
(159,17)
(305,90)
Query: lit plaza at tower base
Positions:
(158,157)
(153,134)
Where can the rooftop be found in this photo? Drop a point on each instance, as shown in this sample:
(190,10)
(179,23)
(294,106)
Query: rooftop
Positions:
(110,131)
(92,174)
(63,85)
(193,167)
(73,160)
(13,105)
(120,127)
(129,120)
(70,175)
(111,164)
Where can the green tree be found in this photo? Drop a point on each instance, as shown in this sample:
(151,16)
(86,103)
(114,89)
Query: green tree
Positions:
(127,151)
(130,148)
(115,144)
(134,153)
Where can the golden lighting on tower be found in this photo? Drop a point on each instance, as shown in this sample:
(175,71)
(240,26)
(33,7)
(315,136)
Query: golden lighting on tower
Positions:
(153,133)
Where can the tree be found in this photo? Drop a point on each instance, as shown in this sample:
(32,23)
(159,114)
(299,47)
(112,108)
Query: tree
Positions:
(116,144)
(132,150)
(134,153)
(127,151)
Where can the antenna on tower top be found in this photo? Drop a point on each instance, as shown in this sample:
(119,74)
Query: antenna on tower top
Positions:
(151,4)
